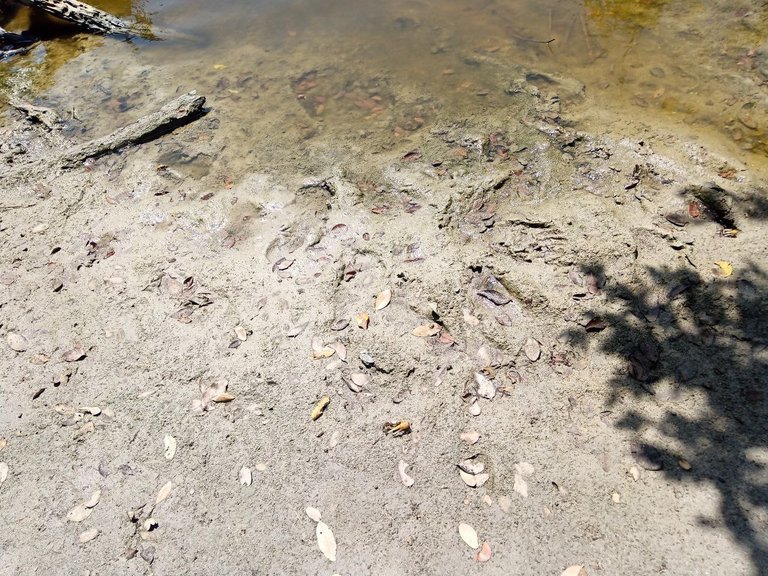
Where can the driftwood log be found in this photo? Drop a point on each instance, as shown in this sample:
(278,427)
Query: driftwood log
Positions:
(82,15)
(174,114)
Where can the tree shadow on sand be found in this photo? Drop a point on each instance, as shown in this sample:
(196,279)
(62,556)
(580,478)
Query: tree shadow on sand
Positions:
(697,344)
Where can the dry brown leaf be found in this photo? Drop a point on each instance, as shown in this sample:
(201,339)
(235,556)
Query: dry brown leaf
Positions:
(406,479)
(223,397)
(16,342)
(170,447)
(575,571)
(3,472)
(314,514)
(325,541)
(79,513)
(484,554)
(397,427)
(470,436)
(362,320)
(74,355)
(165,491)
(532,349)
(245,476)
(383,299)
(426,330)
(320,407)
(88,535)
(469,535)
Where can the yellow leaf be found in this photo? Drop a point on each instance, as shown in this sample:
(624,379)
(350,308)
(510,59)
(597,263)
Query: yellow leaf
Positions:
(725,269)
(362,320)
(320,407)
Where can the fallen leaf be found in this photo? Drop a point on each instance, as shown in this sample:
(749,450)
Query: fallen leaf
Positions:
(320,407)
(472,465)
(693,209)
(724,269)
(241,333)
(325,541)
(474,480)
(79,513)
(470,436)
(223,397)
(426,330)
(165,491)
(324,352)
(17,342)
(469,319)
(484,554)
(93,500)
(383,299)
(296,330)
(339,324)
(469,535)
(245,476)
(88,535)
(485,388)
(575,571)
(314,514)
(340,349)
(684,464)
(616,498)
(495,296)
(401,468)
(73,355)
(532,349)
(360,380)
(397,427)
(474,408)
(170,447)
(92,410)
(362,320)
(3,472)
(635,473)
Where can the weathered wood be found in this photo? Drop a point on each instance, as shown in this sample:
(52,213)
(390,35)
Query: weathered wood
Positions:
(82,15)
(174,114)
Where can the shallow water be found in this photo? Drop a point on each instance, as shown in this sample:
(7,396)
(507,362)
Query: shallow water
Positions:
(288,71)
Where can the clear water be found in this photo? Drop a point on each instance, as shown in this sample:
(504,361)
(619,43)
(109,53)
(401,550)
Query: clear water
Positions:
(297,70)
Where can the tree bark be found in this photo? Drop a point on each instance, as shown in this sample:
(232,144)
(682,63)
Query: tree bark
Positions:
(174,114)
(82,15)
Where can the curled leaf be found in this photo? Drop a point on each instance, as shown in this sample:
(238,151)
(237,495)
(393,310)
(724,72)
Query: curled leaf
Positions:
(484,554)
(406,479)
(397,427)
(320,407)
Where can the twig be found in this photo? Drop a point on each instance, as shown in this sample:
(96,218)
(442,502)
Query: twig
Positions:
(176,113)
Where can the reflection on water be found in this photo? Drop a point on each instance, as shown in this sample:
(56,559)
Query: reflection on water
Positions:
(302,68)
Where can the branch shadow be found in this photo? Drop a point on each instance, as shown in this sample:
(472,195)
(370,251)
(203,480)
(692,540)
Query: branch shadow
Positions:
(685,334)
